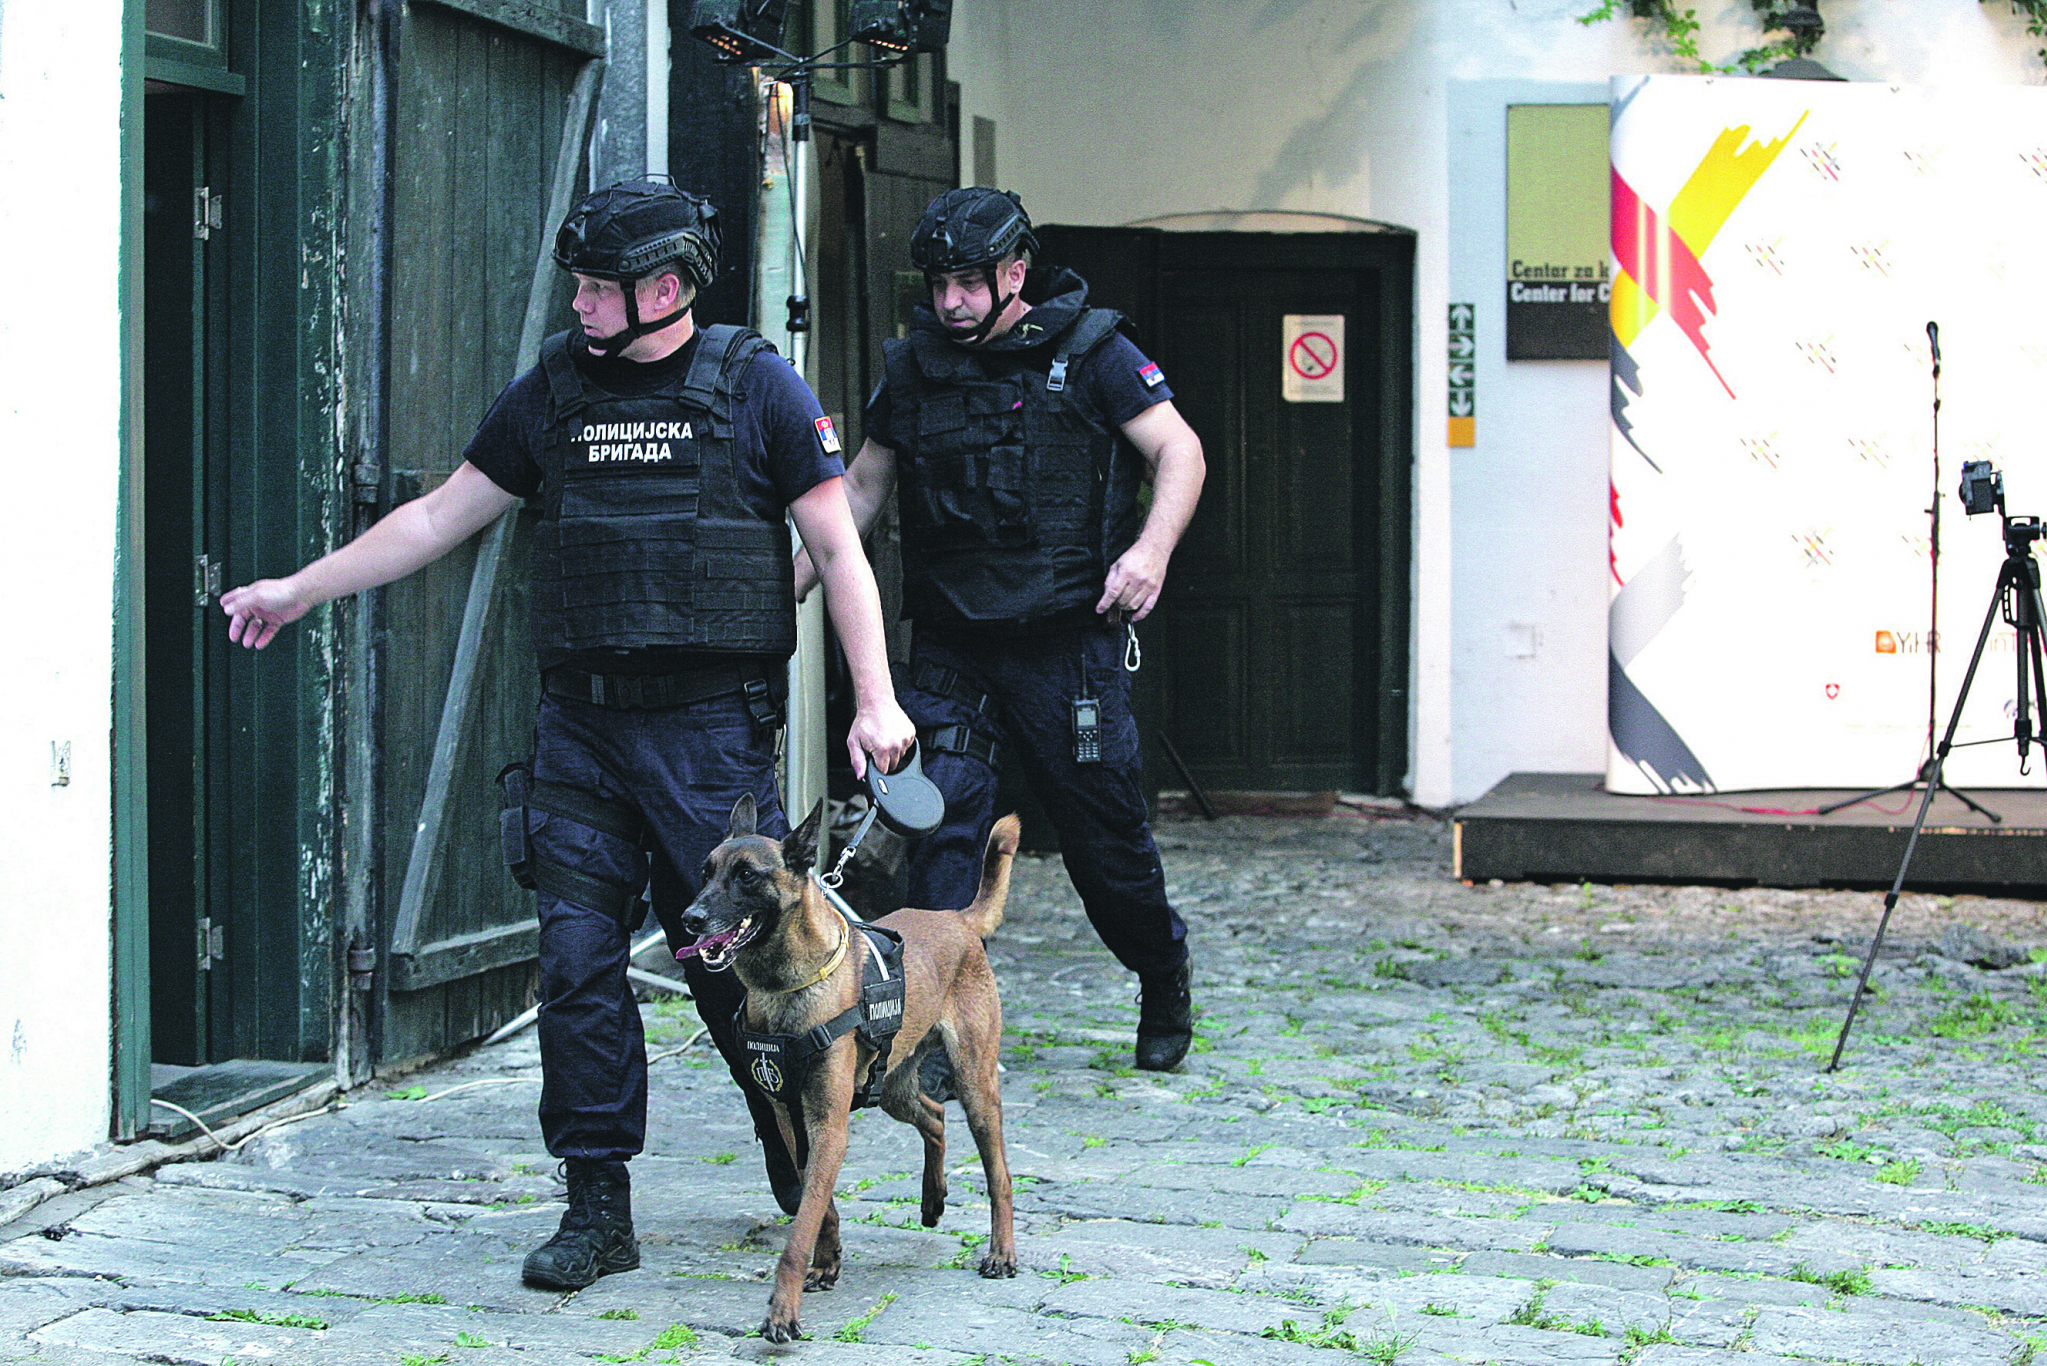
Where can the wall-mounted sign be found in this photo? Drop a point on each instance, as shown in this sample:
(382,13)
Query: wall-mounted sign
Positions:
(1311,358)
(1462,366)
(1558,226)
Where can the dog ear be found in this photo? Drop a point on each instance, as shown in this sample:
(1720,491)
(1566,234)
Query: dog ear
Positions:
(799,851)
(742,823)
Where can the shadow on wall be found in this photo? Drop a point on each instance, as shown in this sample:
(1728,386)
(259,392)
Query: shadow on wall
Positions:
(1327,143)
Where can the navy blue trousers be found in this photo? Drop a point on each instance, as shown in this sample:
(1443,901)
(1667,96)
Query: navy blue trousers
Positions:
(682,768)
(1098,809)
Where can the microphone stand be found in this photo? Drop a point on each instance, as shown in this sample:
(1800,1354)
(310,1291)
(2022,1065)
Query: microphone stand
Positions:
(1929,771)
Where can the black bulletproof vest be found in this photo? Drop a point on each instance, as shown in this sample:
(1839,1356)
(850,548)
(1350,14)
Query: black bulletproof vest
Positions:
(643,539)
(1013,503)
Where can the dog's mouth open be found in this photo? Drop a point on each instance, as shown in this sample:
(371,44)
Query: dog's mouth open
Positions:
(715,951)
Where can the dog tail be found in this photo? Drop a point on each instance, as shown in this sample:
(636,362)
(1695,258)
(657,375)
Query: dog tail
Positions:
(986,913)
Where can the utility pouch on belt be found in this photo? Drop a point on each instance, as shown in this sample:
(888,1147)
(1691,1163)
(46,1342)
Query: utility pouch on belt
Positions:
(514,838)
(524,793)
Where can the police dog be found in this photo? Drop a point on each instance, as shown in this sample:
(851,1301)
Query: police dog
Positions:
(761,914)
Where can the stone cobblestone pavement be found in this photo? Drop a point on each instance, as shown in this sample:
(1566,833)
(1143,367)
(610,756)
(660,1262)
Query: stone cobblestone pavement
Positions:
(1422,1123)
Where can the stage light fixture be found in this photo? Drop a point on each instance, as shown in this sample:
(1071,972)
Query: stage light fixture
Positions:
(740,30)
(902,25)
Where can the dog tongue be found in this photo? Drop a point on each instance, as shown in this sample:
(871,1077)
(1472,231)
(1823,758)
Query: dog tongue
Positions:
(707,943)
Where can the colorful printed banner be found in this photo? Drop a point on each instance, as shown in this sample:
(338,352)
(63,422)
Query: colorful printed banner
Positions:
(1779,247)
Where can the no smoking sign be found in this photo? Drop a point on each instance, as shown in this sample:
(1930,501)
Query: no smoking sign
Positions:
(1311,358)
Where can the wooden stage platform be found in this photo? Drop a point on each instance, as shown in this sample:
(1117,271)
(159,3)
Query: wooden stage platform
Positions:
(1564,827)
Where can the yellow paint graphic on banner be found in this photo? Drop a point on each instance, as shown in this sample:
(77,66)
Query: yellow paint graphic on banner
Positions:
(1699,210)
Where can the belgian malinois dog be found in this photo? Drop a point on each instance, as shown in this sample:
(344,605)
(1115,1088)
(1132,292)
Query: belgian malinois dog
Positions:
(763,915)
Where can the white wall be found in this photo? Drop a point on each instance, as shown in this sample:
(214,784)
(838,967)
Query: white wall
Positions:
(1114,110)
(1528,502)
(60,402)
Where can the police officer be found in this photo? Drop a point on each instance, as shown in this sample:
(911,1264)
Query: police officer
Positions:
(1016,425)
(665,456)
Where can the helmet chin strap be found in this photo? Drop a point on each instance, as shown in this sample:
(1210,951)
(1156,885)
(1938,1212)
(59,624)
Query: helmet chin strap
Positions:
(634,329)
(995,312)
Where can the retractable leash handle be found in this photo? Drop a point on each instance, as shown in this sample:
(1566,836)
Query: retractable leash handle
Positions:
(905,801)
(909,803)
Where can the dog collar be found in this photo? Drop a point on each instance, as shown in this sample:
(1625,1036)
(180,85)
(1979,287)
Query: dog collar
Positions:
(831,965)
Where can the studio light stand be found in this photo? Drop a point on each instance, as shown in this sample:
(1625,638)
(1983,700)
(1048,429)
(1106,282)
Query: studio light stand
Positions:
(2017,598)
(1926,772)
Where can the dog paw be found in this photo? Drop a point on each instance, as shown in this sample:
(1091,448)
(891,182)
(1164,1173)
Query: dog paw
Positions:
(781,1330)
(932,1213)
(998,1268)
(821,1278)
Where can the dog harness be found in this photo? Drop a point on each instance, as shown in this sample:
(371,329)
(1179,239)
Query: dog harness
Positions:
(778,1064)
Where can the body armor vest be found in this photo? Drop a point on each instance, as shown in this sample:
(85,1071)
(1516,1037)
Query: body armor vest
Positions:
(644,539)
(1014,504)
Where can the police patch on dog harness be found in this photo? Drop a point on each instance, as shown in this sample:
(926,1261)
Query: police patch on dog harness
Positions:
(779,1063)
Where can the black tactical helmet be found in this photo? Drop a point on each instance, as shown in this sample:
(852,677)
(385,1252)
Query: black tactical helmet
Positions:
(970,227)
(629,229)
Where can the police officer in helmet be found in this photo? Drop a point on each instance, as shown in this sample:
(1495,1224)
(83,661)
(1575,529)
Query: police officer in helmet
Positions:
(1016,426)
(665,456)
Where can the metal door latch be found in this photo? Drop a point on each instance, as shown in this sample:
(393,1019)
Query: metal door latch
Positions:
(212,943)
(206,578)
(207,212)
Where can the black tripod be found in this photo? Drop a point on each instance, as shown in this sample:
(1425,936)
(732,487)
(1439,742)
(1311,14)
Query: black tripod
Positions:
(2018,600)
(1926,774)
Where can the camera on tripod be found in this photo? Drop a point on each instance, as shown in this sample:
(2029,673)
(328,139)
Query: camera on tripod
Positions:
(1982,487)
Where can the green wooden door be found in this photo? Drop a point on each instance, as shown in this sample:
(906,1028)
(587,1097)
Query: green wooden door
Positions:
(481,114)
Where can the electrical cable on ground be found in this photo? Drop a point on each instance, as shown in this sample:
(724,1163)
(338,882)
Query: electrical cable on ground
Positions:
(239,1143)
(682,1047)
(488,1081)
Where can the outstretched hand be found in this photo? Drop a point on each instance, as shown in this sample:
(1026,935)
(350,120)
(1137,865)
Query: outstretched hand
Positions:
(256,611)
(883,732)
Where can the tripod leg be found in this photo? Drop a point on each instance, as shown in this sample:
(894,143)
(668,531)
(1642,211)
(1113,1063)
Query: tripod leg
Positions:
(2022,630)
(1890,904)
(2029,646)
(1933,785)
(1831,807)
(1966,800)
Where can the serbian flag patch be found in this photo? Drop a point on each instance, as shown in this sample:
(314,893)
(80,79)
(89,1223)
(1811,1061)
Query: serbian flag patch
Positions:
(1149,373)
(828,436)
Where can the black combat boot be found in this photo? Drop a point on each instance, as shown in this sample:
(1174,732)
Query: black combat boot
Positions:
(1165,1018)
(596,1234)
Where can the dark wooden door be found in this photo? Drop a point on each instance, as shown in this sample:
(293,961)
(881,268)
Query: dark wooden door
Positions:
(481,111)
(1259,618)
(191,931)
(1280,639)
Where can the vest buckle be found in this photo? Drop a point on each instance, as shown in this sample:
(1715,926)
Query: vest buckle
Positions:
(1055,382)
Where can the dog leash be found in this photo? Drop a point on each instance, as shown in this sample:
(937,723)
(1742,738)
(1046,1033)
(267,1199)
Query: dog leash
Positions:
(830,881)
